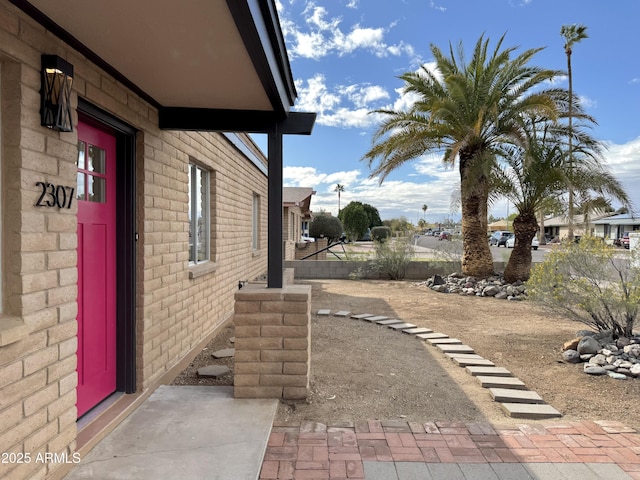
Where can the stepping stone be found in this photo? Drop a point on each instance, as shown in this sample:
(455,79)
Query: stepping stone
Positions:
(489,371)
(427,336)
(530,411)
(507,395)
(470,362)
(362,316)
(444,341)
(213,371)
(391,321)
(342,313)
(401,326)
(378,318)
(501,382)
(415,331)
(224,353)
(324,312)
(456,348)
(464,355)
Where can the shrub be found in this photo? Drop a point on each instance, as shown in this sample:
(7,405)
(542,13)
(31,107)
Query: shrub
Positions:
(326,226)
(585,282)
(392,258)
(380,234)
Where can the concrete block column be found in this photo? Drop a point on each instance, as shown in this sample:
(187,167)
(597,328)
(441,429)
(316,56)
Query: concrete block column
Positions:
(273,342)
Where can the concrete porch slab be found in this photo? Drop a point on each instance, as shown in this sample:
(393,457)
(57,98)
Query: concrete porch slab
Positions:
(185,432)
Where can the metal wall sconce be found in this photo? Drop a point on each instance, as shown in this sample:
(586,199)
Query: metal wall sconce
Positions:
(55,93)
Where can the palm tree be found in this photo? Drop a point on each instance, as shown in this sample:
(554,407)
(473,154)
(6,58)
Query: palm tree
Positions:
(424,210)
(466,111)
(339,188)
(535,172)
(572,34)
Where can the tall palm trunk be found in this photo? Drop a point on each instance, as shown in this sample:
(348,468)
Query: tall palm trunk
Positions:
(571,194)
(519,265)
(477,260)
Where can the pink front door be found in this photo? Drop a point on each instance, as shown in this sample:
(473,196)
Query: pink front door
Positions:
(95,194)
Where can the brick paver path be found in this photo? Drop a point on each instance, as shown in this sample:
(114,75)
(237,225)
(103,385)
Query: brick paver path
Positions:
(317,451)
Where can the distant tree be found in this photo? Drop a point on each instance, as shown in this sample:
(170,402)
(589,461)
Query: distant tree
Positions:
(424,210)
(380,234)
(326,226)
(373,215)
(355,220)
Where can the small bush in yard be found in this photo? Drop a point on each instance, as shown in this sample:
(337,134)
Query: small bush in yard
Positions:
(586,282)
(380,234)
(392,258)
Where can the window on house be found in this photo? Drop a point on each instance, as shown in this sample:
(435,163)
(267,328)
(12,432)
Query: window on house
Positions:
(255,222)
(199,215)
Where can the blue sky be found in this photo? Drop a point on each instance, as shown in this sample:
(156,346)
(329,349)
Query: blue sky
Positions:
(346,56)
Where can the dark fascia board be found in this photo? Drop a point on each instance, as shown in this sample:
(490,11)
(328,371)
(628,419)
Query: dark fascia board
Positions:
(249,121)
(259,26)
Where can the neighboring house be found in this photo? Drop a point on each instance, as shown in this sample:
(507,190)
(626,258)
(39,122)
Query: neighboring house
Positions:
(296,216)
(128,224)
(558,227)
(498,225)
(613,227)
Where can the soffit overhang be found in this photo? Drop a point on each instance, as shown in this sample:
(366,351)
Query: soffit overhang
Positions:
(202,59)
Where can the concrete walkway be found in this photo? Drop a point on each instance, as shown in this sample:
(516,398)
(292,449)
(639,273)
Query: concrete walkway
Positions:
(186,432)
(375,450)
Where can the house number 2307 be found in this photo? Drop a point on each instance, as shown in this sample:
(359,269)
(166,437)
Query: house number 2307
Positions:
(55,195)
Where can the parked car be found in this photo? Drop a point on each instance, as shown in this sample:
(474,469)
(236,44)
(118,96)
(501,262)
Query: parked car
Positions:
(625,240)
(511,241)
(444,235)
(499,238)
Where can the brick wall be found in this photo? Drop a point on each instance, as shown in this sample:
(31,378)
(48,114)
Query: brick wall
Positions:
(273,342)
(176,305)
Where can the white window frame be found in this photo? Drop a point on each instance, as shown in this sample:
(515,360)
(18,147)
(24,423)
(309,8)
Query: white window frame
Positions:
(255,222)
(196,173)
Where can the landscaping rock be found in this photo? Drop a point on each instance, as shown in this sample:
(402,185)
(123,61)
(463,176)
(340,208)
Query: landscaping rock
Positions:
(617,376)
(571,356)
(571,344)
(588,345)
(635,369)
(605,337)
(599,359)
(492,287)
(585,333)
(594,369)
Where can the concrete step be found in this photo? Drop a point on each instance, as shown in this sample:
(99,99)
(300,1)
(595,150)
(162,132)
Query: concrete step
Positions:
(470,362)
(488,371)
(342,313)
(324,312)
(508,395)
(426,336)
(453,355)
(391,321)
(376,318)
(401,326)
(362,316)
(415,331)
(530,411)
(444,341)
(224,353)
(456,348)
(501,382)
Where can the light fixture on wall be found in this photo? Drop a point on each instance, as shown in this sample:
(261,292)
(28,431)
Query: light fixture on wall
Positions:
(55,93)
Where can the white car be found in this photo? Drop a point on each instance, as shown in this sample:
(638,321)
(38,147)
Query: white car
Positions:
(511,241)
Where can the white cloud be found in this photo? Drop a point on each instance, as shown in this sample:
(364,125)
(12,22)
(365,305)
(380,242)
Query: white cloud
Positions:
(437,7)
(322,35)
(315,96)
(623,160)
(634,80)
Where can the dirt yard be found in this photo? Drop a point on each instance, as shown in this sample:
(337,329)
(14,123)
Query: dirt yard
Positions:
(365,371)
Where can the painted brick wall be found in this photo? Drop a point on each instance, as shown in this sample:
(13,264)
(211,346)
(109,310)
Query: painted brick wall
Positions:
(176,306)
